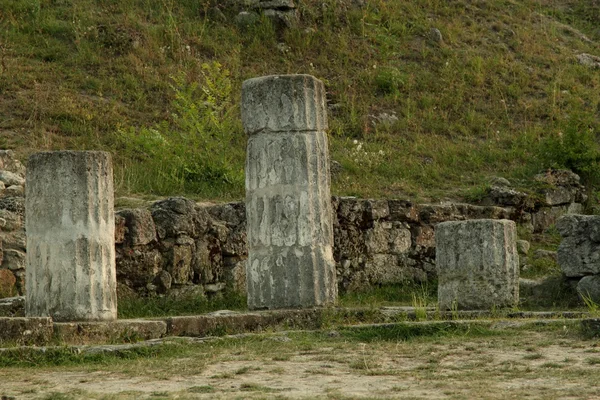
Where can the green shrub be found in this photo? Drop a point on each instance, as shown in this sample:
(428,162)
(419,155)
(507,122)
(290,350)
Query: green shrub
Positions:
(195,150)
(575,147)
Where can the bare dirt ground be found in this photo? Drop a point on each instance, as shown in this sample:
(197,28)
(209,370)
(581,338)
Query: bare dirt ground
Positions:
(515,365)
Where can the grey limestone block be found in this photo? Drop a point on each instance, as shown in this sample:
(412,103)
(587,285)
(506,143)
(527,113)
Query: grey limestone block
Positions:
(589,288)
(283,103)
(70,229)
(579,251)
(478,264)
(288,201)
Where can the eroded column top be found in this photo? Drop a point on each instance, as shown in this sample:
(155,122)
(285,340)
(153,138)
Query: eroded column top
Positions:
(283,103)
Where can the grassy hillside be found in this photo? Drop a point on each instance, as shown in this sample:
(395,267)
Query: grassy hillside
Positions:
(157,83)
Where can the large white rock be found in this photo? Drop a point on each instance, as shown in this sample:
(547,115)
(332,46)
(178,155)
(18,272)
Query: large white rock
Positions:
(70,236)
(477,263)
(288,206)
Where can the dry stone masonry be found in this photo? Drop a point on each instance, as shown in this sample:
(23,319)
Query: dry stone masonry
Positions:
(477,263)
(288,200)
(70,236)
(178,247)
(12,234)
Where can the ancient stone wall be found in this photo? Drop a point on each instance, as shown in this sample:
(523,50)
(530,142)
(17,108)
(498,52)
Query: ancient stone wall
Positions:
(177,246)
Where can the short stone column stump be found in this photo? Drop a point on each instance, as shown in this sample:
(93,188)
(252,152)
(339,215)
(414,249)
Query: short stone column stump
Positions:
(477,264)
(288,201)
(70,229)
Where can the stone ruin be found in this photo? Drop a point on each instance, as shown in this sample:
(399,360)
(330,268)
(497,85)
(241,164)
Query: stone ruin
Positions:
(478,264)
(579,253)
(70,236)
(288,201)
(179,247)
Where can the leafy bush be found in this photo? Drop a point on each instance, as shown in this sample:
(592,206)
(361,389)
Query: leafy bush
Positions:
(576,148)
(195,149)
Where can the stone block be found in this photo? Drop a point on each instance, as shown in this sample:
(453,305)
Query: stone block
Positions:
(180,264)
(558,196)
(70,229)
(230,322)
(26,331)
(288,200)
(284,103)
(477,263)
(138,267)
(109,331)
(403,210)
(579,251)
(547,216)
(177,216)
(589,288)
(140,226)
(8,283)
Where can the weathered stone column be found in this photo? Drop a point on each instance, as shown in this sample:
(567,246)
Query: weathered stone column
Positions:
(70,227)
(477,264)
(288,200)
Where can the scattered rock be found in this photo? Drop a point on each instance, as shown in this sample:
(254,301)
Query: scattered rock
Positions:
(215,14)
(504,196)
(589,288)
(499,181)
(384,119)
(436,35)
(523,247)
(283,48)
(246,19)
(214,287)
(589,60)
(282,19)
(559,177)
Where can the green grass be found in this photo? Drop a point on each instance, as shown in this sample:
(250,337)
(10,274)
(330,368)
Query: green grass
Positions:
(479,104)
(148,307)
(416,295)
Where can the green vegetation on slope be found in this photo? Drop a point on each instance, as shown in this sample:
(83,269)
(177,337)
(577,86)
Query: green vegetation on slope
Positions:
(108,74)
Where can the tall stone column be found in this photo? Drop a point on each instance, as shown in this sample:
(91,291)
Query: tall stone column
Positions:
(288,200)
(477,264)
(70,227)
